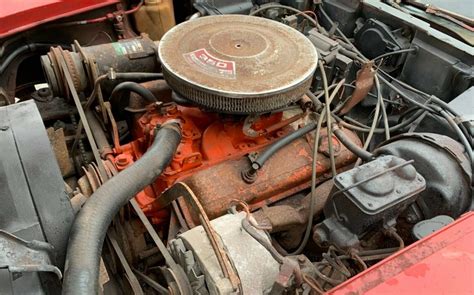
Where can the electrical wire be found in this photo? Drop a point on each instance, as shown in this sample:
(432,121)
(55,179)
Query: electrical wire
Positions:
(343,36)
(209,7)
(332,259)
(462,138)
(250,226)
(395,52)
(463,135)
(317,95)
(313,284)
(362,58)
(297,11)
(404,95)
(374,123)
(366,129)
(313,185)
(314,166)
(384,111)
(328,115)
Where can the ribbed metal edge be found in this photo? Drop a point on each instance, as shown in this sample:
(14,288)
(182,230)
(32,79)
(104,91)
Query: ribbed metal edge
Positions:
(233,105)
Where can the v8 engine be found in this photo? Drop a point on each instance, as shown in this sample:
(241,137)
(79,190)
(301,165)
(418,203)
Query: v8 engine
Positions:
(229,147)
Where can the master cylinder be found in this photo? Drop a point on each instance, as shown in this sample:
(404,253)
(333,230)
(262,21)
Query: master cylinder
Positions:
(374,193)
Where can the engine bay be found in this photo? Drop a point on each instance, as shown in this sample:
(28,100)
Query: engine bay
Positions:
(230,147)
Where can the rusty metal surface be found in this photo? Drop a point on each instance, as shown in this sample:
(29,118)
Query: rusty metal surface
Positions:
(175,271)
(236,59)
(34,204)
(222,256)
(128,55)
(289,216)
(58,143)
(286,173)
(364,82)
(55,109)
(88,62)
(293,212)
(26,256)
(159,88)
(251,120)
(208,139)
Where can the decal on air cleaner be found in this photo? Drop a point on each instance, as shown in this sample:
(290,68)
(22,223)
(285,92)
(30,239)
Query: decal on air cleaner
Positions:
(210,64)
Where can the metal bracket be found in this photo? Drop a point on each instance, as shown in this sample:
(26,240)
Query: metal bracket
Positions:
(19,255)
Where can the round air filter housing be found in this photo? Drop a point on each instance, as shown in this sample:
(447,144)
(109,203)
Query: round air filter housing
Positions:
(237,64)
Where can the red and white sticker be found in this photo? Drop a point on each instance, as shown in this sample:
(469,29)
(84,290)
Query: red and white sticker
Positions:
(210,64)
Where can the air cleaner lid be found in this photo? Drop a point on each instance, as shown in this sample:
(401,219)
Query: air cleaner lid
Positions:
(237,64)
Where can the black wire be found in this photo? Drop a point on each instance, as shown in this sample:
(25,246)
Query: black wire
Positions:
(378,130)
(394,53)
(404,95)
(362,58)
(207,6)
(299,12)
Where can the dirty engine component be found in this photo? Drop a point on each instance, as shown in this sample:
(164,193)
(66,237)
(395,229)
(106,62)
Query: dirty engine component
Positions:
(232,146)
(445,167)
(86,63)
(375,192)
(254,264)
(237,64)
(212,155)
(36,213)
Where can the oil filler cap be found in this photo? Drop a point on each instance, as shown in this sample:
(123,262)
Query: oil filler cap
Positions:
(237,64)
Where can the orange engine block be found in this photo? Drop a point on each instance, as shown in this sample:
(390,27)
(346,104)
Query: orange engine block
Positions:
(214,147)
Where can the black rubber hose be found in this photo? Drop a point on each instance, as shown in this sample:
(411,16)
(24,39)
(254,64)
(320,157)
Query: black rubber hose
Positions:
(17,52)
(265,155)
(179,99)
(32,47)
(131,87)
(90,227)
(350,145)
(139,76)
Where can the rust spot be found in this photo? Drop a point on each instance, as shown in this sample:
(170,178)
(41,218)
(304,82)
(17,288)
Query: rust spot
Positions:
(364,82)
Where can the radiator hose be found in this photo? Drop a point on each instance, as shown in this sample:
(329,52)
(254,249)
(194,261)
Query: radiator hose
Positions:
(91,224)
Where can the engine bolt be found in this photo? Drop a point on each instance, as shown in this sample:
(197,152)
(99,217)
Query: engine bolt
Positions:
(121,160)
(187,133)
